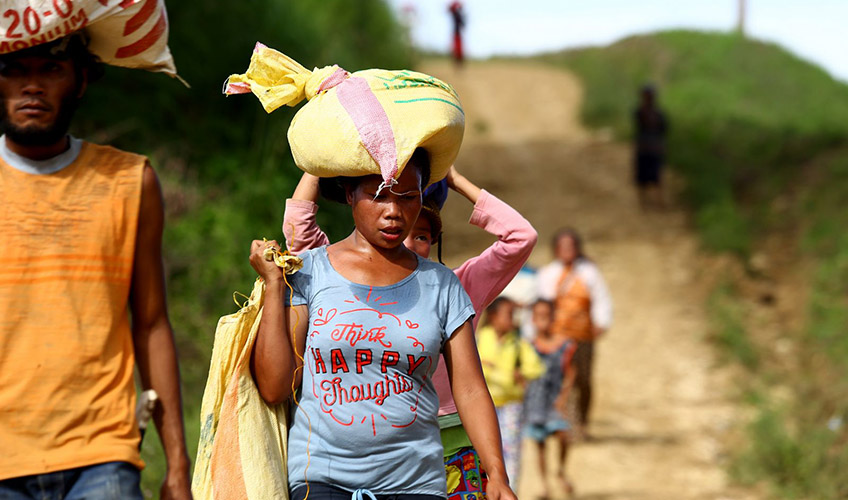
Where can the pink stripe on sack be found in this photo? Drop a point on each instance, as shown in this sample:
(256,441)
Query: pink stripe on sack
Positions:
(237,88)
(331,81)
(372,123)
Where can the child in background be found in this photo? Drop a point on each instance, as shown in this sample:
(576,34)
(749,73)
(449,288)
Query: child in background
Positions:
(546,397)
(508,364)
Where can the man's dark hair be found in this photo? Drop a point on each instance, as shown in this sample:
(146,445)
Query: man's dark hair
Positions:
(71,47)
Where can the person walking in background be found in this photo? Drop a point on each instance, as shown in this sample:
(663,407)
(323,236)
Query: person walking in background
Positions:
(546,397)
(457,14)
(81,247)
(509,363)
(582,310)
(650,129)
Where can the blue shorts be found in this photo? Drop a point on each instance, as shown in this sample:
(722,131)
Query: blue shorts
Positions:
(540,432)
(109,481)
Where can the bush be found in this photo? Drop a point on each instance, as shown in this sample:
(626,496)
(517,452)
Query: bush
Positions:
(727,315)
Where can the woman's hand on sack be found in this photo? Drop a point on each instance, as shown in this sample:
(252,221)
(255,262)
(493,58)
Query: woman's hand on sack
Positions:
(267,269)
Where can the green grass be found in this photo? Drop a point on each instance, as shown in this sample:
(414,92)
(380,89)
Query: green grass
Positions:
(743,114)
(825,213)
(727,316)
(798,456)
(800,446)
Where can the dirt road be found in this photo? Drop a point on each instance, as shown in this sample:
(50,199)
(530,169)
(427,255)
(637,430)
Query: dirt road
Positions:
(662,408)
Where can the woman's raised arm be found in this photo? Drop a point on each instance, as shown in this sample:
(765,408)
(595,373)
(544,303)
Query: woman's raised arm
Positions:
(299,225)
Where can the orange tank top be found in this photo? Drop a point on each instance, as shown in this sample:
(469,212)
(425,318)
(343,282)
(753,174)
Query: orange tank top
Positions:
(572,308)
(67,242)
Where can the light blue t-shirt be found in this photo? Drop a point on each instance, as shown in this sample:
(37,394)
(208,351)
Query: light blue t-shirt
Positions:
(370,353)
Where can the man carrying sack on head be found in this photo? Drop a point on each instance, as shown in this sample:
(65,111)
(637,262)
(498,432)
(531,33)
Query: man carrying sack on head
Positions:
(81,229)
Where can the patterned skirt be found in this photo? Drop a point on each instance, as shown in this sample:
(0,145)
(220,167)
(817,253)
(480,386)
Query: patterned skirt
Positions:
(466,478)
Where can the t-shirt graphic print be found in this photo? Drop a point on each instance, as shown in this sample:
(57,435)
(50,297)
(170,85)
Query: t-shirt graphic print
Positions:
(367,391)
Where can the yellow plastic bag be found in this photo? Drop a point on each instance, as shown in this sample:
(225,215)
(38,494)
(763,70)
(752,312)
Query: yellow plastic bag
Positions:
(128,33)
(367,122)
(242,453)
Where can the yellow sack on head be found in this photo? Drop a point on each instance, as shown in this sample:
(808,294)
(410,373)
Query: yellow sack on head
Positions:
(242,453)
(367,122)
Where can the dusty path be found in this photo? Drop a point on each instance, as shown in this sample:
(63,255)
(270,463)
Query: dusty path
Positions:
(661,407)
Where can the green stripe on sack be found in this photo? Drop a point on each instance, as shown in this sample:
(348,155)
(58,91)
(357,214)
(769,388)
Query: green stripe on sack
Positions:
(431,99)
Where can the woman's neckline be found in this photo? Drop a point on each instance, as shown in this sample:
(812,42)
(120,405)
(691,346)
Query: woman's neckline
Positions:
(410,276)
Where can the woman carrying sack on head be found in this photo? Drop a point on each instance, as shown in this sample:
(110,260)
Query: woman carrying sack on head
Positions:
(483,277)
(360,327)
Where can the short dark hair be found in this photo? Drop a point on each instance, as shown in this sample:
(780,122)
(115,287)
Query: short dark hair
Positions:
(335,188)
(546,302)
(73,47)
(421,159)
(430,210)
(497,303)
(572,233)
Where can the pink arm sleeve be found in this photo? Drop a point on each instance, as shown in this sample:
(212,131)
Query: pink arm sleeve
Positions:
(300,228)
(484,277)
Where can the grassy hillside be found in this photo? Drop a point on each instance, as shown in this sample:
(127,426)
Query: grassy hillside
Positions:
(224,163)
(761,139)
(743,115)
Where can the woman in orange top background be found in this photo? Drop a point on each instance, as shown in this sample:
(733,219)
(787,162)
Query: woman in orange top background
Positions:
(582,309)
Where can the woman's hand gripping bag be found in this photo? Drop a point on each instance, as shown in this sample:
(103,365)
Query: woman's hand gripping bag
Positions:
(242,451)
(127,33)
(367,122)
